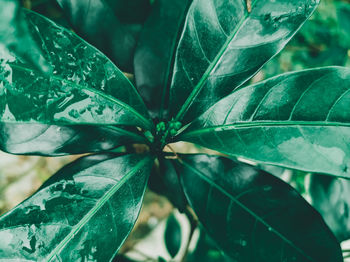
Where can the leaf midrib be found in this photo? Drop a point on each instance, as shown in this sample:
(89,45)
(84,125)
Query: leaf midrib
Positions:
(254,124)
(95,209)
(252,213)
(206,74)
(127,107)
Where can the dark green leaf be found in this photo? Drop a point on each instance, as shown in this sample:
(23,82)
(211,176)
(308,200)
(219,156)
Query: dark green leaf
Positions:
(172,235)
(223,45)
(206,250)
(252,215)
(84,87)
(96,21)
(130,11)
(165,181)
(50,140)
(121,258)
(15,36)
(155,50)
(297,120)
(330,197)
(82,213)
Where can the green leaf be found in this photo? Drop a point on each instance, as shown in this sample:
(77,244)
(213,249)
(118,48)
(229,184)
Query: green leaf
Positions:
(15,36)
(252,215)
(223,45)
(96,21)
(329,196)
(165,181)
(206,250)
(297,120)
(172,235)
(155,51)
(84,212)
(83,88)
(130,11)
(51,140)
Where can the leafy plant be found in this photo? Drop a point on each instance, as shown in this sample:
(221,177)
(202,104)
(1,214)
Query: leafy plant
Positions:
(191,61)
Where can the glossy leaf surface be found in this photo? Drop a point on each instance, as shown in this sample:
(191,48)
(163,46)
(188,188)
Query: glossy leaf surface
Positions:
(15,36)
(84,87)
(297,120)
(51,140)
(96,21)
(252,215)
(84,212)
(329,196)
(224,44)
(155,50)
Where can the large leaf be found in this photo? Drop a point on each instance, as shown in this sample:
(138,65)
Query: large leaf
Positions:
(252,215)
(96,21)
(51,140)
(330,197)
(83,213)
(224,44)
(15,36)
(83,88)
(297,120)
(155,50)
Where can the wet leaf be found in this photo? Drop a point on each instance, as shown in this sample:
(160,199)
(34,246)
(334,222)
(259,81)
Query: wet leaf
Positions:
(83,88)
(154,54)
(223,45)
(329,196)
(98,23)
(84,212)
(15,36)
(172,235)
(297,120)
(51,140)
(252,215)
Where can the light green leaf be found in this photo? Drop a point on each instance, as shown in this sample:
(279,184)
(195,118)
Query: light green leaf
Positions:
(224,44)
(297,120)
(83,213)
(83,88)
(15,36)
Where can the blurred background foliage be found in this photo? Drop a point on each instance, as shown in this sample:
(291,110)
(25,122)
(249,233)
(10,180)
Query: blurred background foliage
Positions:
(162,233)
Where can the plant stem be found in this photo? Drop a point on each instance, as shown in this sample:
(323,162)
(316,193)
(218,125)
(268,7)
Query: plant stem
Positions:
(193,224)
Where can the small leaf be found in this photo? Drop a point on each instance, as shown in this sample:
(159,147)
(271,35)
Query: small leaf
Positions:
(252,215)
(83,88)
(329,196)
(155,51)
(15,36)
(297,120)
(223,45)
(172,235)
(51,140)
(97,22)
(84,212)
